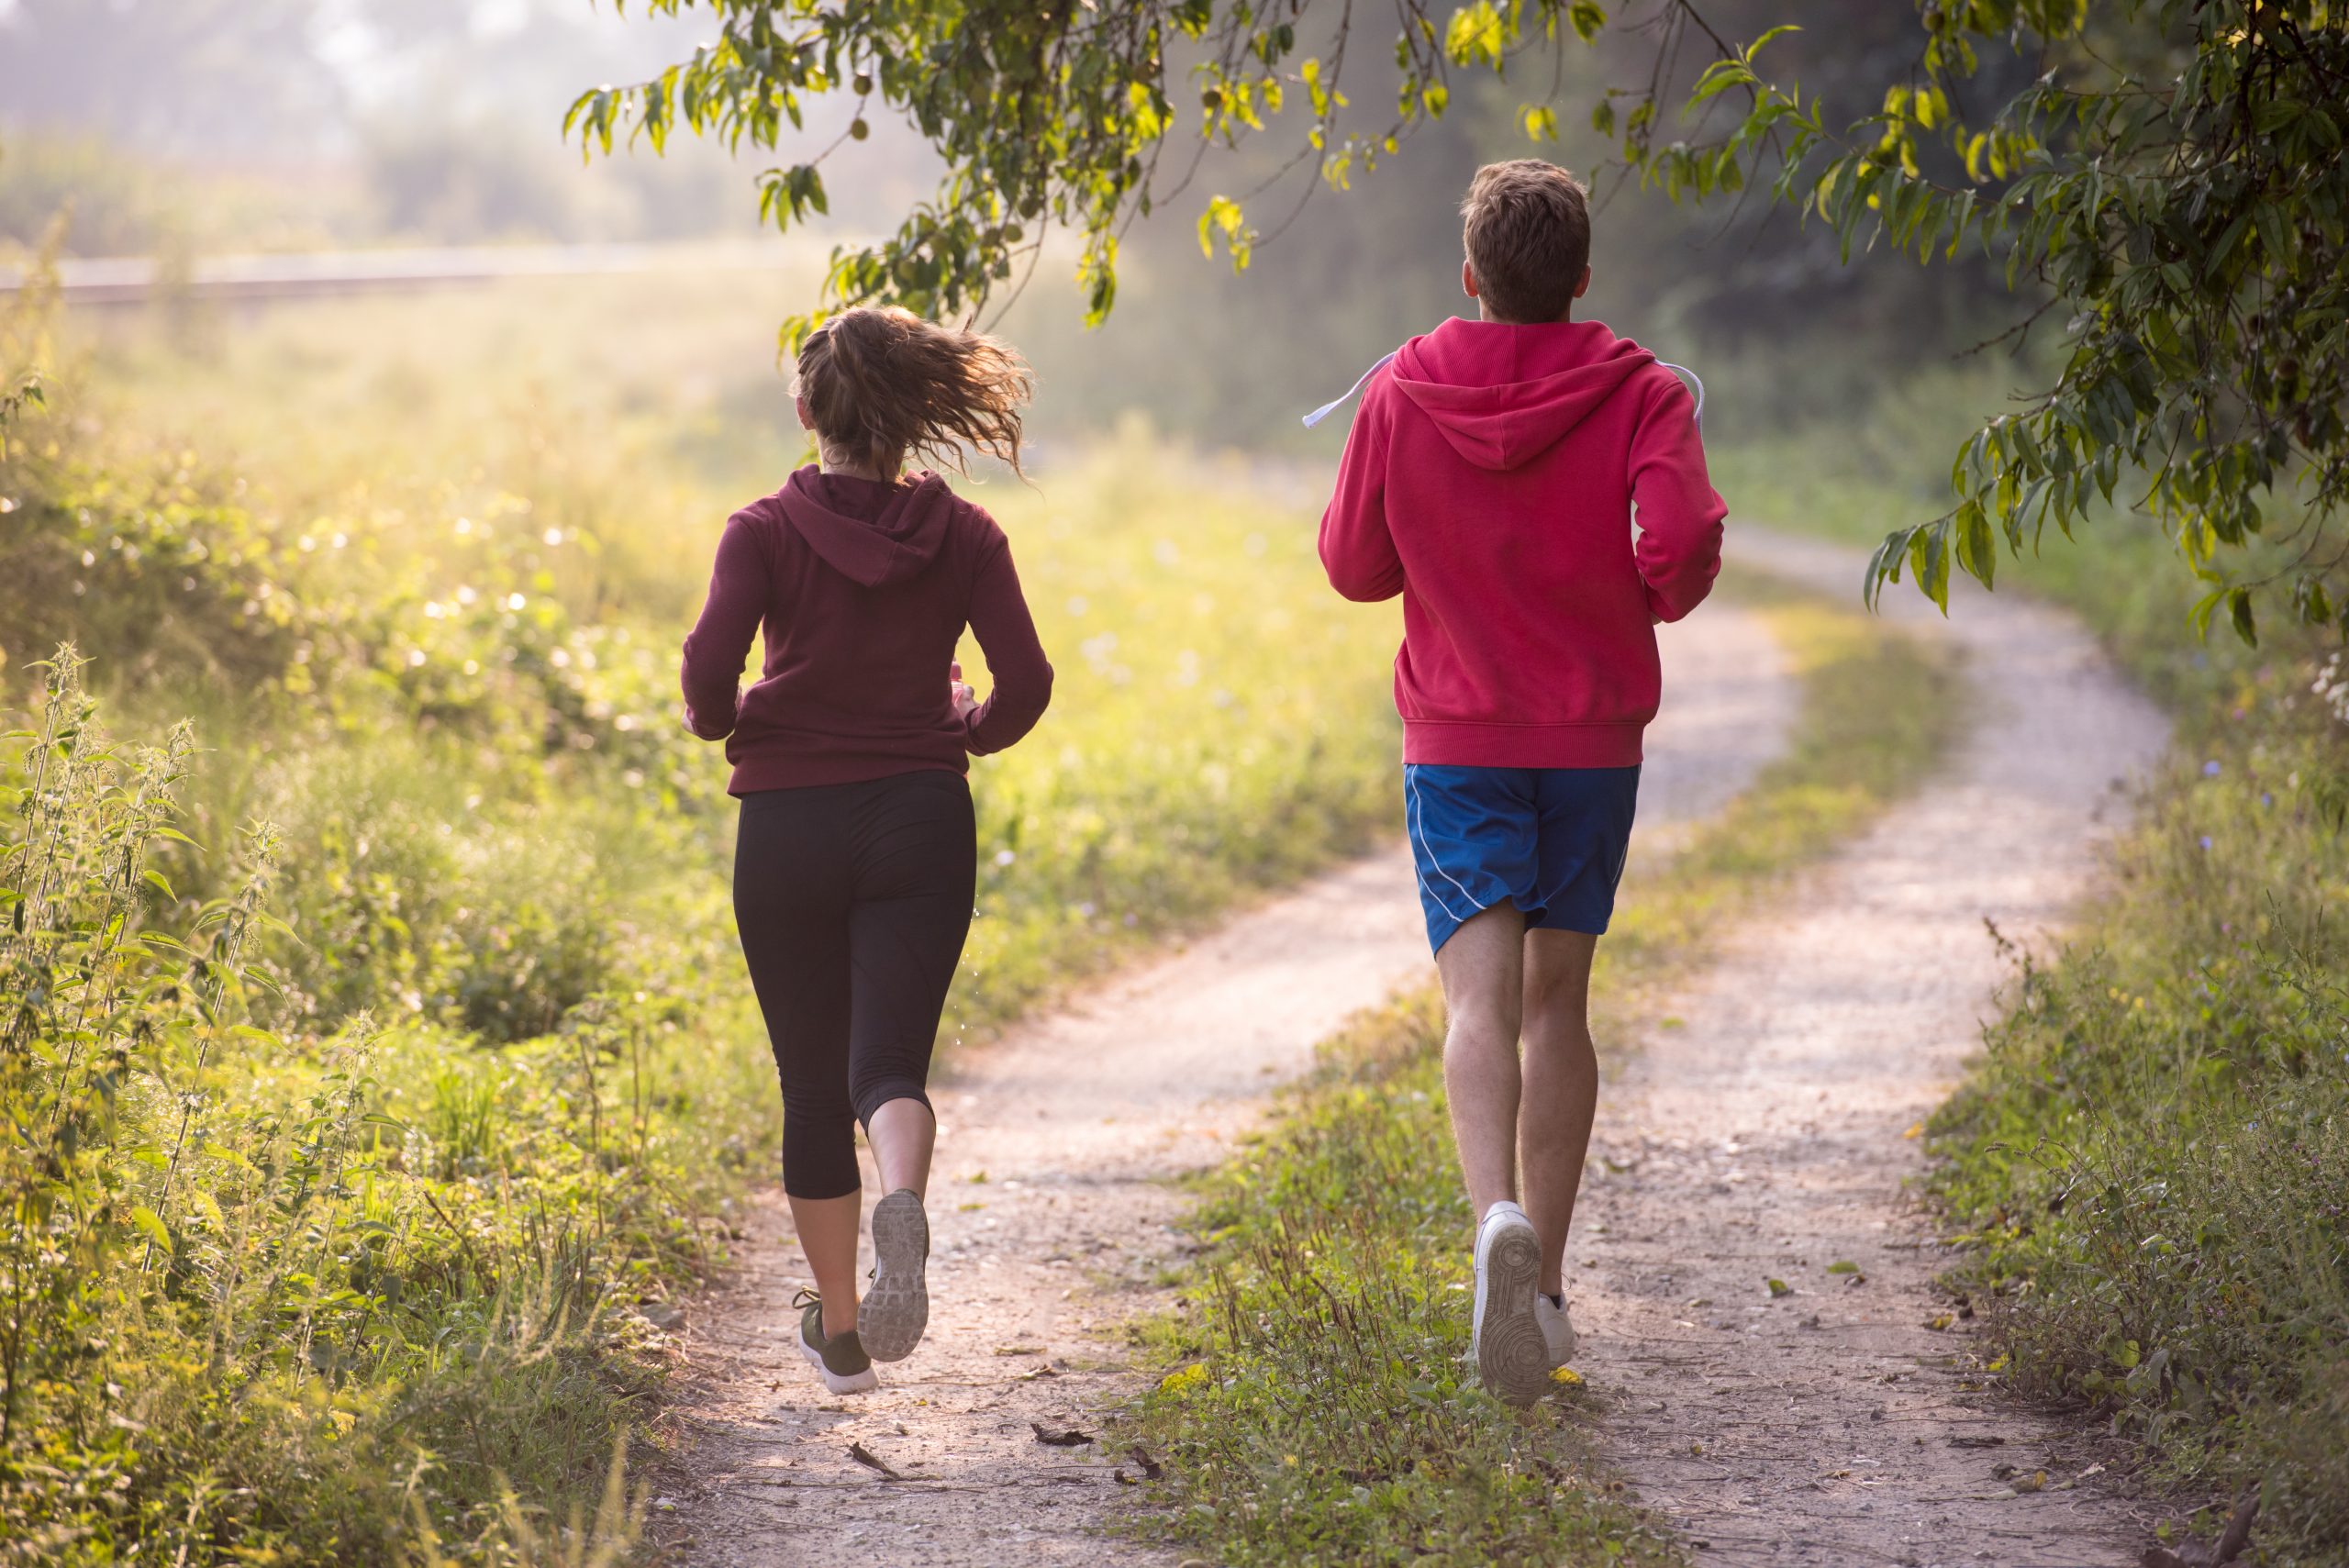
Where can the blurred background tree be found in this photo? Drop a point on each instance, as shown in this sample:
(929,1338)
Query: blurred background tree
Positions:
(2164,178)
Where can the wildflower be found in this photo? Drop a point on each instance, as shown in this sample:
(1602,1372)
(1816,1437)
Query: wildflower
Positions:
(1184,1378)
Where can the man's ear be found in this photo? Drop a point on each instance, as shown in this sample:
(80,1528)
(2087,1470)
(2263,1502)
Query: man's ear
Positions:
(1468,280)
(1582,286)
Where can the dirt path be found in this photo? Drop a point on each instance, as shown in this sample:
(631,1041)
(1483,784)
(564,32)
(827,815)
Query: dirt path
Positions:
(1763,1136)
(1076,1121)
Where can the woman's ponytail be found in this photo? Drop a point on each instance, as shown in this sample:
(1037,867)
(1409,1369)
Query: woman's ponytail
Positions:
(882,384)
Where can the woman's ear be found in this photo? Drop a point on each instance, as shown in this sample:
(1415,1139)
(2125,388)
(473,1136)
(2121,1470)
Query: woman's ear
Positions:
(806,421)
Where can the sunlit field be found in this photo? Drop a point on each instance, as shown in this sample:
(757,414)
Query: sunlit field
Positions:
(378,1041)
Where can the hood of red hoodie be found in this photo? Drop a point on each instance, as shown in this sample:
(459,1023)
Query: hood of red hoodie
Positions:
(869,532)
(1503,394)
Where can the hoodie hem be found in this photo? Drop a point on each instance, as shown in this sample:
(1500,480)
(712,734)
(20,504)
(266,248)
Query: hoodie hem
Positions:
(1453,743)
(753,774)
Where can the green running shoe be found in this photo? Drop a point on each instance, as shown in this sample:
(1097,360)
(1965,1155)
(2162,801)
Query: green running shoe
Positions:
(841,1360)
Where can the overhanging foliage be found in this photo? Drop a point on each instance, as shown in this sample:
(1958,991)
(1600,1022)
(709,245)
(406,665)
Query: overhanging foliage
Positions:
(2169,186)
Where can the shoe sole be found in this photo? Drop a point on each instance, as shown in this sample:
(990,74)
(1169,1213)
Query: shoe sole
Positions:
(895,1308)
(863,1382)
(1512,1357)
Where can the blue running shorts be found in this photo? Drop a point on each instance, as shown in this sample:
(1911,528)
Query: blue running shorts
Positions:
(1550,840)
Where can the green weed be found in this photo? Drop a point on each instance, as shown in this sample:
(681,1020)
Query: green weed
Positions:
(2152,1155)
(358,1154)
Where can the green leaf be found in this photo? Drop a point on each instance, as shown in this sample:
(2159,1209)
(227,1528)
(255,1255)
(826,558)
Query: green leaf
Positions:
(152,1223)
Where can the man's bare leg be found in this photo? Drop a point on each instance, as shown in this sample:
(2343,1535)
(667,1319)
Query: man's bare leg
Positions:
(1483,968)
(1560,1091)
(1484,987)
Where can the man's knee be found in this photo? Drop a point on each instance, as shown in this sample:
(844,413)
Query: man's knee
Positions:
(1482,1018)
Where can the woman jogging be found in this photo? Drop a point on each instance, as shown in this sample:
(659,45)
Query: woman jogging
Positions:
(855,863)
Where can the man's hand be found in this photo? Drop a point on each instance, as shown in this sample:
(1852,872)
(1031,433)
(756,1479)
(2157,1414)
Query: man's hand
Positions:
(966,701)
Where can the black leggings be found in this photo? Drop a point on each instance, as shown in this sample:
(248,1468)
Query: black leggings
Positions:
(852,901)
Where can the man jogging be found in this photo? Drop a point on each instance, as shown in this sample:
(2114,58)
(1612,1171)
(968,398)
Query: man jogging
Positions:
(1491,479)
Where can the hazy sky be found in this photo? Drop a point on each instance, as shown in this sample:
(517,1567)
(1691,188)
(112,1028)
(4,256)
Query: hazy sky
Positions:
(293,78)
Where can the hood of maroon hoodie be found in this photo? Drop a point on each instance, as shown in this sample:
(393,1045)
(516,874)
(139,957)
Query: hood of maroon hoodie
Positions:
(1504,394)
(867,531)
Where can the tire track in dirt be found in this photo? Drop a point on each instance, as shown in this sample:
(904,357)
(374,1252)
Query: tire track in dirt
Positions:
(1763,1136)
(1079,1120)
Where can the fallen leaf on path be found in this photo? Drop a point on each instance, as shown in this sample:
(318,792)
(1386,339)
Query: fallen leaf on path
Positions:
(870,1460)
(1940,1320)
(1779,1287)
(1032,1374)
(1970,1439)
(1151,1469)
(1068,1436)
(2031,1483)
(1843,1266)
(1019,1350)
(1917,1130)
(1566,1377)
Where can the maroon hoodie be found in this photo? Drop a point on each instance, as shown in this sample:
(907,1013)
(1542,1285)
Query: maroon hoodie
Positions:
(862,590)
(1491,479)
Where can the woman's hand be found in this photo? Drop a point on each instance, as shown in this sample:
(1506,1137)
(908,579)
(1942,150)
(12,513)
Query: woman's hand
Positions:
(966,701)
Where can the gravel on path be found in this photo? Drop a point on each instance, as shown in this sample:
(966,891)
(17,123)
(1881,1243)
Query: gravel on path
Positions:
(1767,1133)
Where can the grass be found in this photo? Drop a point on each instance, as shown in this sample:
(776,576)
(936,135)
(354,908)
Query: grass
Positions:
(359,1151)
(2150,1156)
(1314,1407)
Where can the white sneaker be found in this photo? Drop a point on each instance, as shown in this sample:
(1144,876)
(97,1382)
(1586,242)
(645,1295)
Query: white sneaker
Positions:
(1512,1357)
(1558,1329)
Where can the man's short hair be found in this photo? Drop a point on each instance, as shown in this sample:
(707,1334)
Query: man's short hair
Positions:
(1529,238)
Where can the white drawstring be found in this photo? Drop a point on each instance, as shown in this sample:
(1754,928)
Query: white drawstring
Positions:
(1339,402)
(1334,403)
(1683,370)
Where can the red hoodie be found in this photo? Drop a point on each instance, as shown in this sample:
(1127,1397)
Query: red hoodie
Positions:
(1490,479)
(863,589)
